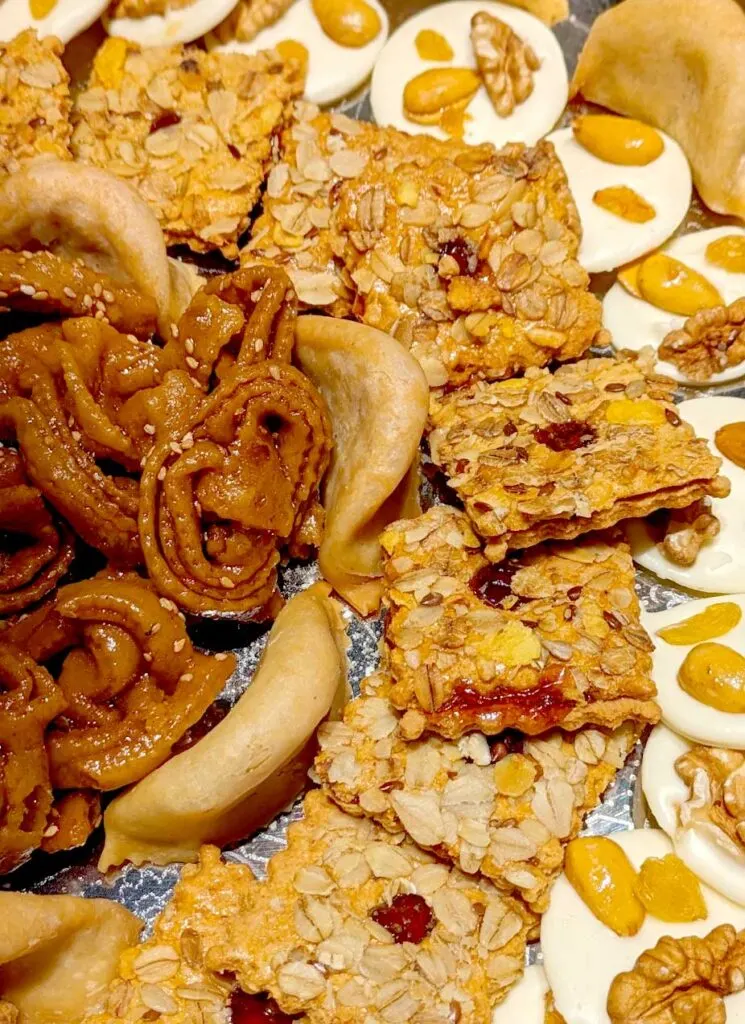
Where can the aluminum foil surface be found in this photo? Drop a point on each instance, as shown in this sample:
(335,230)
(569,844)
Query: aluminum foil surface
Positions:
(145,890)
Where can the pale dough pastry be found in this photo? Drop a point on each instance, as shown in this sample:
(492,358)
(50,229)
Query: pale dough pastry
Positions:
(247,768)
(679,65)
(549,11)
(83,212)
(58,954)
(378,398)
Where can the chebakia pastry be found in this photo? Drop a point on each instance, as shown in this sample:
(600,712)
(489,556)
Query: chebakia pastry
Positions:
(679,65)
(60,19)
(337,42)
(378,399)
(58,955)
(231,781)
(87,214)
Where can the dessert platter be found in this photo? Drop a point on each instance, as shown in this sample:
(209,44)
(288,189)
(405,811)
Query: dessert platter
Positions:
(372,512)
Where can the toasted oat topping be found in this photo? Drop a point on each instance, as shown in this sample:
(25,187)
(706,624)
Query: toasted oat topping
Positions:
(554,455)
(550,638)
(191,131)
(502,807)
(34,101)
(165,978)
(327,954)
(467,255)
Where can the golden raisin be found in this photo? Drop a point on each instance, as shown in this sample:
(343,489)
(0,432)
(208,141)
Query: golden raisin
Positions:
(292,50)
(430,45)
(618,140)
(629,278)
(670,285)
(728,253)
(670,891)
(514,775)
(639,412)
(730,440)
(715,675)
(605,880)
(41,8)
(625,203)
(351,23)
(712,622)
(108,63)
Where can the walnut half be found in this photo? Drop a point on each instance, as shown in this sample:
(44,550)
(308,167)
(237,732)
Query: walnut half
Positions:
(710,342)
(506,63)
(681,981)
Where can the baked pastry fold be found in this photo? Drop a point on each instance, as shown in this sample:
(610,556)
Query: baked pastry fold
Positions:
(554,455)
(504,807)
(58,954)
(680,65)
(550,638)
(253,763)
(378,400)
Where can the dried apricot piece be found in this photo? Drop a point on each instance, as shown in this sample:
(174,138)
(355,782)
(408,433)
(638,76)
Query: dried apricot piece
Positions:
(605,880)
(618,140)
(714,674)
(625,203)
(351,23)
(730,440)
(291,49)
(108,64)
(670,285)
(670,891)
(714,621)
(431,45)
(728,253)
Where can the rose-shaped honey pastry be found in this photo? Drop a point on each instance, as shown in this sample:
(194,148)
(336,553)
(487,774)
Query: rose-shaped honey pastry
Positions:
(42,282)
(62,387)
(35,551)
(216,508)
(29,700)
(238,319)
(132,681)
(73,817)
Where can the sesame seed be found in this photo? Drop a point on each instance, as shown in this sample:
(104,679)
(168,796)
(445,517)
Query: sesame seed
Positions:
(108,296)
(87,301)
(147,656)
(187,441)
(186,677)
(258,344)
(175,448)
(132,337)
(41,295)
(192,363)
(168,605)
(174,330)
(76,435)
(149,428)
(100,315)
(97,289)
(69,293)
(274,372)
(178,645)
(221,657)
(226,582)
(189,345)
(155,629)
(27,289)
(162,473)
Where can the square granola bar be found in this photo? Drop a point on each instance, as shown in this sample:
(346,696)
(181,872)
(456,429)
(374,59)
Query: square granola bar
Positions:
(554,455)
(466,254)
(193,132)
(505,807)
(356,925)
(34,101)
(550,638)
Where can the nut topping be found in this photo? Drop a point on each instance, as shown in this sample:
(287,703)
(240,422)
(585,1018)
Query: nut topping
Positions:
(681,980)
(710,342)
(505,61)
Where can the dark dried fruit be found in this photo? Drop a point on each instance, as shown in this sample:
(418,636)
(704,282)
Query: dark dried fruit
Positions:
(246,1009)
(566,437)
(464,254)
(408,918)
(508,742)
(493,583)
(165,120)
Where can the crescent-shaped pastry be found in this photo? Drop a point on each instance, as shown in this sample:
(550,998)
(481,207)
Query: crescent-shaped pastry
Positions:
(58,954)
(217,790)
(378,398)
(80,211)
(679,65)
